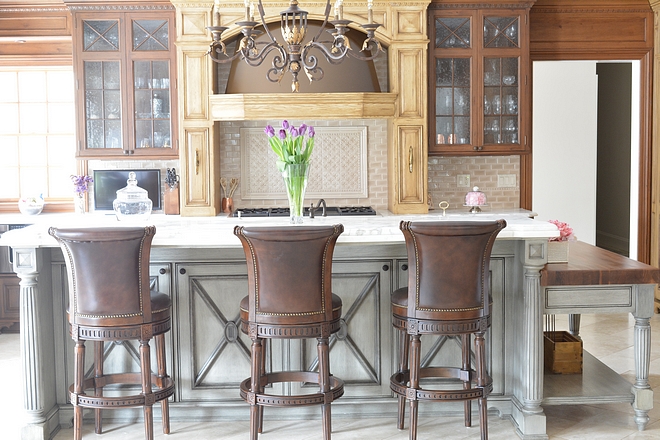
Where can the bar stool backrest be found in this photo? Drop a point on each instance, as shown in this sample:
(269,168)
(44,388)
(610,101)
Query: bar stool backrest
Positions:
(449,261)
(289,273)
(108,274)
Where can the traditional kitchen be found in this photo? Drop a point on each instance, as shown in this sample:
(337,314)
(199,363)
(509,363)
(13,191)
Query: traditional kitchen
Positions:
(430,122)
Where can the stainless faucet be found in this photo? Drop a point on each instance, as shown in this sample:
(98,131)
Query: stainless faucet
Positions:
(320,204)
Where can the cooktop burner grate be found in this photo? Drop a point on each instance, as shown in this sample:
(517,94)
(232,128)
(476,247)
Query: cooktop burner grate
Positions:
(284,212)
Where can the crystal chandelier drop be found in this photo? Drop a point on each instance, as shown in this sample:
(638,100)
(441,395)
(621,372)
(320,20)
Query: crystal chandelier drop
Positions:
(294,56)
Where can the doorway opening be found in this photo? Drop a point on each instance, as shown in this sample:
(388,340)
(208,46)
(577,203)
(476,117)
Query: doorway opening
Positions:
(586,149)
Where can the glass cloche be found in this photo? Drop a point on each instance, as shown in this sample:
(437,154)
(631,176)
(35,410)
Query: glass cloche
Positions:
(132,202)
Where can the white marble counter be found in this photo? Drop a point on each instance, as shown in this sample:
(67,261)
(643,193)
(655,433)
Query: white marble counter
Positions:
(213,232)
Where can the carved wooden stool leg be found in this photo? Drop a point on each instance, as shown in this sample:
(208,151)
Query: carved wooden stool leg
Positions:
(404,347)
(161,361)
(482,380)
(255,387)
(415,349)
(145,366)
(324,384)
(465,343)
(98,373)
(78,388)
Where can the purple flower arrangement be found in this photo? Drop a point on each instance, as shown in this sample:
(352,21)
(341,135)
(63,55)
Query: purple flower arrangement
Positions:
(291,144)
(81,184)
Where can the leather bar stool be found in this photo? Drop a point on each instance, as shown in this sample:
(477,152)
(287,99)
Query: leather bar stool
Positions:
(289,296)
(448,294)
(110,300)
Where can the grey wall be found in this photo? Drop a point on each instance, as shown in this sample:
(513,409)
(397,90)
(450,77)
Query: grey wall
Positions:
(614,140)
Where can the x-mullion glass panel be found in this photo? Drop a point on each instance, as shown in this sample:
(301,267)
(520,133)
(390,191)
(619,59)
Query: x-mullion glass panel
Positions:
(452,101)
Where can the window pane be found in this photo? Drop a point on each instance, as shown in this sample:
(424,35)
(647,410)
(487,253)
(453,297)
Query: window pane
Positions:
(34,118)
(9,89)
(32,86)
(9,118)
(37,145)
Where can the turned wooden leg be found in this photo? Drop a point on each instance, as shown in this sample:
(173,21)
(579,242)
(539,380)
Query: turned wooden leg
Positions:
(324,385)
(98,374)
(404,347)
(415,349)
(145,367)
(162,374)
(465,342)
(255,387)
(482,381)
(78,380)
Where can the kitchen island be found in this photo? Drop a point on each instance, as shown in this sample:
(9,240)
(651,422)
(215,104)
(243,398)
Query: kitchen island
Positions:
(200,264)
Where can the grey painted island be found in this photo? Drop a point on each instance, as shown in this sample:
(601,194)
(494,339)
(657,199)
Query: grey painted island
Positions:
(199,263)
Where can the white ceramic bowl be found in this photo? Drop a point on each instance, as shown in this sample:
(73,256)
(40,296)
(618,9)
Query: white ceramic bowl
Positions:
(31,205)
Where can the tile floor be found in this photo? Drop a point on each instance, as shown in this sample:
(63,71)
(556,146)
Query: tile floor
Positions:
(610,338)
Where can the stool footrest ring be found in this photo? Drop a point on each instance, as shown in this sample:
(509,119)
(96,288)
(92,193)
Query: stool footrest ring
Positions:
(335,392)
(163,387)
(399,381)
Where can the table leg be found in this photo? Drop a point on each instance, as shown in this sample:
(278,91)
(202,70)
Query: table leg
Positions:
(574,324)
(641,388)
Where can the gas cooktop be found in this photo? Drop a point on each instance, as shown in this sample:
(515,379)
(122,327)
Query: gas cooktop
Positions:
(284,212)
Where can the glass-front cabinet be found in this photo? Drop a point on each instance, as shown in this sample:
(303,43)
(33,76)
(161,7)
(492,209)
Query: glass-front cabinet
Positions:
(125,67)
(478,81)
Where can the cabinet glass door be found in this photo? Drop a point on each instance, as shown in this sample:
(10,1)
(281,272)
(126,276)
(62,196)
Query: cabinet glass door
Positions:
(453,81)
(103,104)
(152,104)
(500,101)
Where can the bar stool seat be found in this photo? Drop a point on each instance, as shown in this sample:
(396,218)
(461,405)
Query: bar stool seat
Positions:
(448,294)
(110,301)
(289,297)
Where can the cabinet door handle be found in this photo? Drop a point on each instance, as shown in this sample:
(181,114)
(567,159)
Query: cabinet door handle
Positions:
(404,267)
(196,161)
(162,271)
(386,267)
(410,159)
(182,271)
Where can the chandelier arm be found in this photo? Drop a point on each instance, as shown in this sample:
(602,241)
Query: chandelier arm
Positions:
(332,58)
(263,22)
(325,21)
(218,47)
(258,58)
(369,45)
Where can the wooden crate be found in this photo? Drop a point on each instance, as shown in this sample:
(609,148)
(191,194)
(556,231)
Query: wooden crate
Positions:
(562,352)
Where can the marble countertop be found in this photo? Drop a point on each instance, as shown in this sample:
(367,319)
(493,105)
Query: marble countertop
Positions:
(213,232)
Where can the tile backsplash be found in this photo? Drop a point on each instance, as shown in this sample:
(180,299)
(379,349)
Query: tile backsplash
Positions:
(443,171)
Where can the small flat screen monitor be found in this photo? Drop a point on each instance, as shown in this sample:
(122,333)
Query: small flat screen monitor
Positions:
(107,182)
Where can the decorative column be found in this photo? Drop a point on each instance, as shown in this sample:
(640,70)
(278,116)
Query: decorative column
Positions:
(531,419)
(39,403)
(641,388)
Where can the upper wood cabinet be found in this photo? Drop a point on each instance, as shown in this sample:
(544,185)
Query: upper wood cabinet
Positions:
(125,66)
(478,80)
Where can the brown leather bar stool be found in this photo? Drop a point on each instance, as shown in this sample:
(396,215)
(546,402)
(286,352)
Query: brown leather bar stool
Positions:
(448,294)
(110,300)
(289,296)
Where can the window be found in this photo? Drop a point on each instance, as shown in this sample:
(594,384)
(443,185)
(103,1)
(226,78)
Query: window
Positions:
(37,132)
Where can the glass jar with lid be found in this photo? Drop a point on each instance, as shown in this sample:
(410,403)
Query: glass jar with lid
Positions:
(132,202)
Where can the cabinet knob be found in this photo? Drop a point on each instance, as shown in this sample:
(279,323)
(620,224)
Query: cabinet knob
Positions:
(386,267)
(182,271)
(477,148)
(404,267)
(162,271)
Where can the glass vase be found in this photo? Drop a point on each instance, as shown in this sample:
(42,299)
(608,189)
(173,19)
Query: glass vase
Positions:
(79,204)
(295,180)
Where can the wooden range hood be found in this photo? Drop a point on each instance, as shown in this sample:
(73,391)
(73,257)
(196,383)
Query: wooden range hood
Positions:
(403,31)
(254,107)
